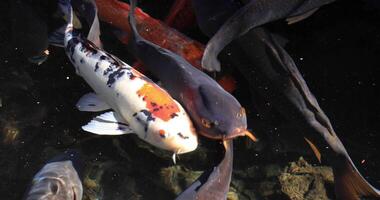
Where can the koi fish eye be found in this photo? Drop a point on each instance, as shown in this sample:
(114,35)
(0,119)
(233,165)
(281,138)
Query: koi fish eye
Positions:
(241,113)
(209,124)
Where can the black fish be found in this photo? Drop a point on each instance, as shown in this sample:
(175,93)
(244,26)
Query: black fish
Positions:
(254,14)
(215,113)
(286,90)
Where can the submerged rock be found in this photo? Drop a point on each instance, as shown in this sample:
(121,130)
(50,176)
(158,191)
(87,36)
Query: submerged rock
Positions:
(300,180)
(177,178)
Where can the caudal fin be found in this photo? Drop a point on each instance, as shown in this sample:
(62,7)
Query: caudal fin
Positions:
(350,184)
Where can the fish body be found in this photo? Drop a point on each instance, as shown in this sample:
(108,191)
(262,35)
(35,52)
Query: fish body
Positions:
(215,113)
(58,179)
(116,13)
(251,15)
(181,15)
(139,105)
(212,14)
(213,184)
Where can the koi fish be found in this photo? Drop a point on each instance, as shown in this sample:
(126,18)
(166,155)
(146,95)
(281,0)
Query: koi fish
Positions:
(254,14)
(139,105)
(58,179)
(116,13)
(215,113)
(181,15)
(212,184)
(212,14)
(288,92)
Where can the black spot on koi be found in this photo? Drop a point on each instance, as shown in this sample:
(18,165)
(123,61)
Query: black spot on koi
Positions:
(182,136)
(173,115)
(88,48)
(114,76)
(148,114)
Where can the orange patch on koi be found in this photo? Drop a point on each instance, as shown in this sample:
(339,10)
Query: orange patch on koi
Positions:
(158,102)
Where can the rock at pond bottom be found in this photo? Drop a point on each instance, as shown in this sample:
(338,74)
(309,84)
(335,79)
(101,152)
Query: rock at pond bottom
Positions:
(301,181)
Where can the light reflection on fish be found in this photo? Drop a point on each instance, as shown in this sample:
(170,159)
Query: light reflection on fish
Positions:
(139,105)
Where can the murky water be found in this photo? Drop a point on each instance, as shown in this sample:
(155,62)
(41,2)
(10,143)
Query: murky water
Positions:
(337,50)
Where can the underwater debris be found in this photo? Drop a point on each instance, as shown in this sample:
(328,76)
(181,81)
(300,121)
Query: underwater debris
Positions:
(302,181)
(10,132)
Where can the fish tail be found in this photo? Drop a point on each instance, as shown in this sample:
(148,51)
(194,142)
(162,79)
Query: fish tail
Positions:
(350,184)
(66,8)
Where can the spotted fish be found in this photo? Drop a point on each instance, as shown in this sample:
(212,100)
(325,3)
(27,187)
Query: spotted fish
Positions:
(138,104)
(216,113)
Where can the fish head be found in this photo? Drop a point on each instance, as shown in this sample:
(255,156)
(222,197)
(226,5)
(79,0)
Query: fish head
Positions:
(218,114)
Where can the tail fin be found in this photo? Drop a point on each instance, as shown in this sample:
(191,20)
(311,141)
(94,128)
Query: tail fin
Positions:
(89,11)
(350,184)
(67,10)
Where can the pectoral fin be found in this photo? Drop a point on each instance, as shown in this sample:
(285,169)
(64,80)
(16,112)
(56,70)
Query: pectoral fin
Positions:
(90,102)
(108,123)
(315,149)
(298,18)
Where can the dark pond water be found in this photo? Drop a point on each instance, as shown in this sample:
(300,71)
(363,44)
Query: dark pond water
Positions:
(337,51)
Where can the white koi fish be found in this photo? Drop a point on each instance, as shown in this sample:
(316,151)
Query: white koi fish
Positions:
(139,105)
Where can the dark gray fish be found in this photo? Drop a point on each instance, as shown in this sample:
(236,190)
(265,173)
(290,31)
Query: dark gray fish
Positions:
(215,113)
(211,14)
(215,183)
(58,179)
(254,14)
(286,90)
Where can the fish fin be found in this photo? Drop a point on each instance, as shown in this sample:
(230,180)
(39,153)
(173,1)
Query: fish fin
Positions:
(57,37)
(90,102)
(91,13)
(298,18)
(316,151)
(108,123)
(350,184)
(76,22)
(174,158)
